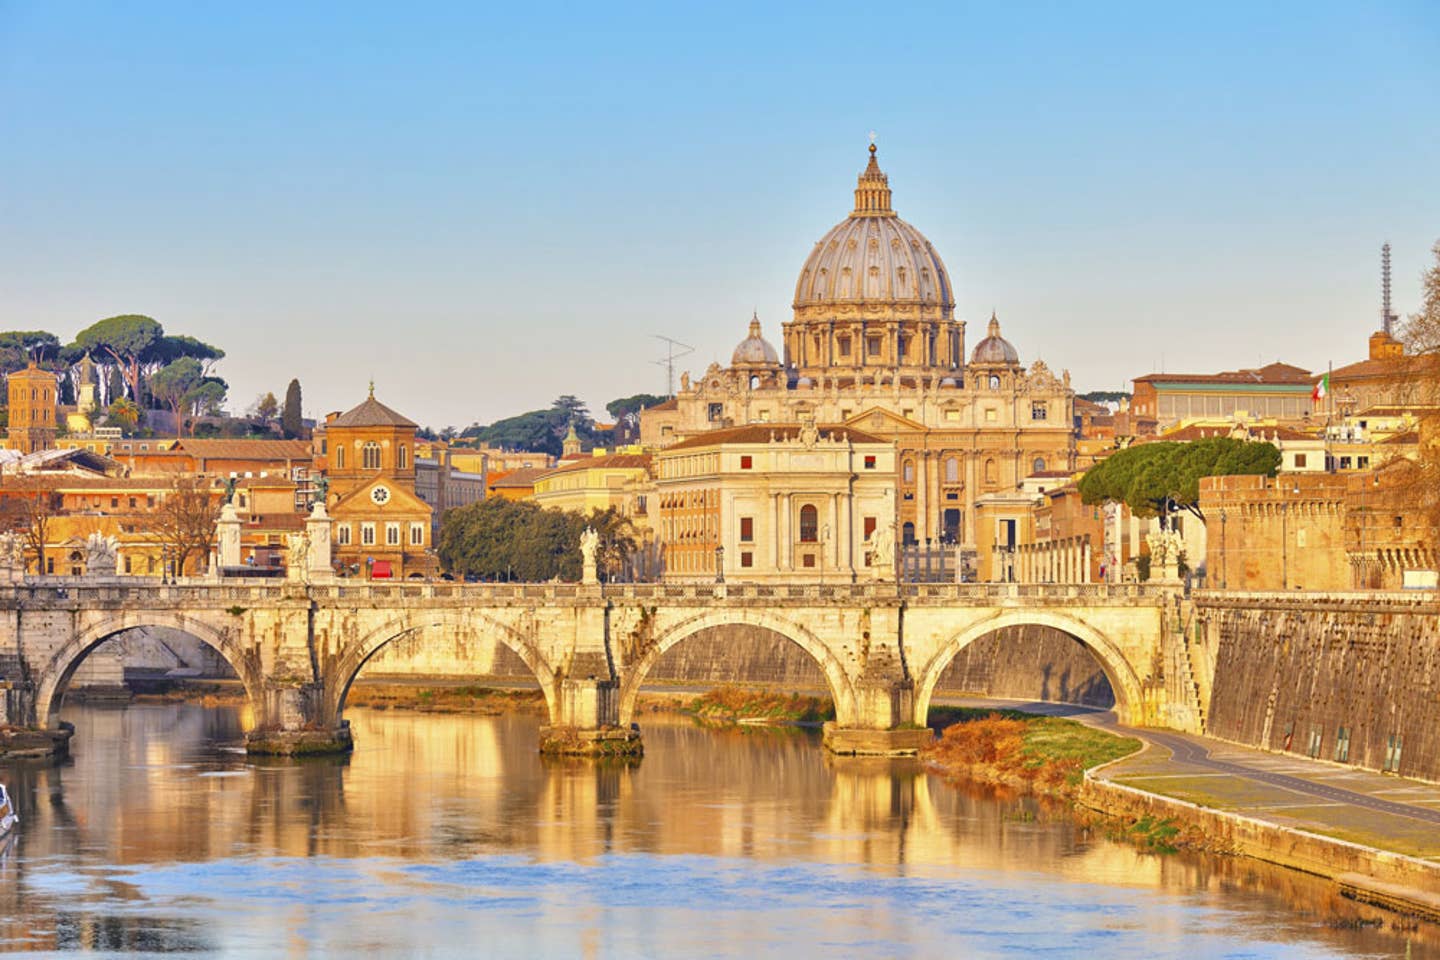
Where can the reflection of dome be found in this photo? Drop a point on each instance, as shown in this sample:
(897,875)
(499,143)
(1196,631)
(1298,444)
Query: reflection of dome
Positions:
(995,348)
(754,349)
(875,258)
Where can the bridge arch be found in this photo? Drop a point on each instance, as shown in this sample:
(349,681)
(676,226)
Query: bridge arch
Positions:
(1124,682)
(836,678)
(60,668)
(353,658)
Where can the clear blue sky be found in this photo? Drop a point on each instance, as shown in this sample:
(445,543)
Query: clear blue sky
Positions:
(484,206)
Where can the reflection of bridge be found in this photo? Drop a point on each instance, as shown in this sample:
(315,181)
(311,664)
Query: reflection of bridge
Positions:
(298,647)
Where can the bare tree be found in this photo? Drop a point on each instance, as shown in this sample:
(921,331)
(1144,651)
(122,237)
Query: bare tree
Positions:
(184,521)
(29,506)
(1420,481)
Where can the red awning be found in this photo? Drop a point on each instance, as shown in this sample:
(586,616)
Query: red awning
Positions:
(381,570)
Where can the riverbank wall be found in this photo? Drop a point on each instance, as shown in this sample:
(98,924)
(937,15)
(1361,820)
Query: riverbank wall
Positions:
(1394,881)
(1351,677)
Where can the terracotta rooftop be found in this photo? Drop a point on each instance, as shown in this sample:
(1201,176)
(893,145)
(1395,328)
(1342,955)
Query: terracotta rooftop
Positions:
(1383,367)
(524,477)
(1281,373)
(244,449)
(371,413)
(614,461)
(767,432)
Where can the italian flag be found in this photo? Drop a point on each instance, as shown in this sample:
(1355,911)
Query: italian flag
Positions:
(1322,389)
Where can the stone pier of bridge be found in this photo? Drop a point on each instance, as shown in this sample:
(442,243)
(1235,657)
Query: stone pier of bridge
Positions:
(297,647)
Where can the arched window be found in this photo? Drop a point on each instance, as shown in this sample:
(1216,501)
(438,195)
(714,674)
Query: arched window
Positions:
(339,456)
(809,524)
(402,457)
(907,533)
(989,471)
(909,471)
(952,470)
(370,456)
(994,381)
(1039,465)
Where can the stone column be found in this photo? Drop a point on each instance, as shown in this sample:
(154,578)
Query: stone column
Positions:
(934,498)
(317,529)
(845,540)
(787,542)
(922,499)
(775,541)
(227,534)
(1085,560)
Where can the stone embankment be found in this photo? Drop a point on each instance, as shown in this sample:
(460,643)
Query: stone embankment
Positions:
(1403,884)
(1353,678)
(19,743)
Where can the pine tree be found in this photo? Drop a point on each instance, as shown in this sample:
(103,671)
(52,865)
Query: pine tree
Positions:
(290,420)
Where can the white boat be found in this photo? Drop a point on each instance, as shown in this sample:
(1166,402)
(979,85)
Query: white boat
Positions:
(8,817)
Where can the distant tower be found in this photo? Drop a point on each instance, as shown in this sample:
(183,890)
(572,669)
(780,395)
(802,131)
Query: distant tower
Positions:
(570,446)
(33,403)
(1387,319)
(85,402)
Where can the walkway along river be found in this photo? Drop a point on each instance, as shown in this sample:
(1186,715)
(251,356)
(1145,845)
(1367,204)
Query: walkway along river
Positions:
(443,832)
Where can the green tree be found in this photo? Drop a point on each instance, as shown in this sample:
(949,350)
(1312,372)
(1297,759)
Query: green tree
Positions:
(124,413)
(497,539)
(291,420)
(1157,479)
(174,384)
(125,340)
(541,430)
(266,406)
(19,347)
(640,401)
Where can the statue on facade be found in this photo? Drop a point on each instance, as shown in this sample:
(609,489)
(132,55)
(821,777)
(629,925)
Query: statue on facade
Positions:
(589,545)
(101,555)
(297,553)
(12,557)
(882,551)
(229,490)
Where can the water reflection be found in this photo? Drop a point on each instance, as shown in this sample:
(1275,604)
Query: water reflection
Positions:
(445,832)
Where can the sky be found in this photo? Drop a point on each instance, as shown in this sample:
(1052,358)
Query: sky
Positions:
(485,206)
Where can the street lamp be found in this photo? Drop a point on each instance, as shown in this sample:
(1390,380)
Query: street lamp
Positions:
(720,564)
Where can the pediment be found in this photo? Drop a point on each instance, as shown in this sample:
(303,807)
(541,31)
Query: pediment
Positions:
(359,500)
(880,420)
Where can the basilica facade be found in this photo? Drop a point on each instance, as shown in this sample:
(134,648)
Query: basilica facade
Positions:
(874,345)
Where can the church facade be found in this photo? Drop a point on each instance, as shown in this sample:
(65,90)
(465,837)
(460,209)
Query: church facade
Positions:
(874,344)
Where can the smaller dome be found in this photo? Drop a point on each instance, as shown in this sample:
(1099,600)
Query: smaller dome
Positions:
(995,348)
(948,382)
(754,349)
(804,383)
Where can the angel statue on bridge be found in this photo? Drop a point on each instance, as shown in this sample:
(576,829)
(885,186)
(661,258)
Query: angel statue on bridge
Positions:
(589,544)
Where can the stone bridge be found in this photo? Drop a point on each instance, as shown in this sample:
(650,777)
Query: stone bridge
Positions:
(298,647)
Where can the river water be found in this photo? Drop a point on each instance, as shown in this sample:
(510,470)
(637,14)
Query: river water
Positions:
(449,835)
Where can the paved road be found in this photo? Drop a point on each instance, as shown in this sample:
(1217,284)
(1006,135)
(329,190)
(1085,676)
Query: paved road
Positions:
(1195,751)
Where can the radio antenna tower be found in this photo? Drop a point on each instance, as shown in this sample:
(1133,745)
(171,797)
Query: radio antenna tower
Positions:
(1387,319)
(668,361)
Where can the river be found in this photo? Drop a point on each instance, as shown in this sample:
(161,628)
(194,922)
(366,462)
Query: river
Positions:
(448,835)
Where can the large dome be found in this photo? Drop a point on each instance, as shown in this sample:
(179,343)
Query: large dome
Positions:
(873,257)
(873,296)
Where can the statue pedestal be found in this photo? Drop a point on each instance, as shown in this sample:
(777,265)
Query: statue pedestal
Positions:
(227,536)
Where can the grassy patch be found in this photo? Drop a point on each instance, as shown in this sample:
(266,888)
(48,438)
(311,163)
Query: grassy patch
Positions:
(486,701)
(1046,754)
(730,704)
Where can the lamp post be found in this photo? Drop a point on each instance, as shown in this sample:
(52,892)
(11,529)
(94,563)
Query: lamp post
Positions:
(720,564)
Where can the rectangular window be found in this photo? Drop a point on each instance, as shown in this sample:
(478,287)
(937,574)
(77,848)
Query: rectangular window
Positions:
(417,534)
(809,561)
(115,503)
(1392,753)
(342,534)
(990,415)
(869,463)
(872,346)
(746,462)
(1299,461)
(1344,463)
(844,347)
(869,527)
(367,534)
(1316,735)
(747,559)
(715,412)
(747,529)
(1362,463)
(1038,411)
(132,503)
(1342,745)
(392,534)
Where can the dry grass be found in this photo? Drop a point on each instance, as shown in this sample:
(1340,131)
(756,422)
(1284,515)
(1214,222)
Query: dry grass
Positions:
(731,704)
(1043,754)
